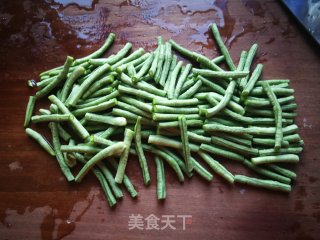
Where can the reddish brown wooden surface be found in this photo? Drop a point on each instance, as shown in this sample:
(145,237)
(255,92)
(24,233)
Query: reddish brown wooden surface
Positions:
(35,200)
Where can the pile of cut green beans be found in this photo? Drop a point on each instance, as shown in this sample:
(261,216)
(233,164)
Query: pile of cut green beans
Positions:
(191,116)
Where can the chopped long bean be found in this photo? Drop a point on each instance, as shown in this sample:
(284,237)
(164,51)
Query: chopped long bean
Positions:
(99,100)
(266,173)
(128,136)
(141,105)
(113,58)
(133,109)
(217,167)
(113,150)
(278,115)
(143,86)
(269,184)
(85,85)
(176,102)
(83,133)
(104,184)
(268,142)
(169,159)
(166,66)
(126,181)
(161,179)
(109,177)
(70,81)
(100,51)
(165,109)
(167,142)
(138,93)
(144,69)
(172,66)
(62,75)
(51,118)
(173,79)
(250,56)
(98,85)
(252,81)
(181,80)
(219,74)
(158,72)
(172,116)
(282,171)
(56,146)
(287,158)
(114,121)
(70,158)
(98,108)
(234,146)
(41,140)
(261,102)
(140,153)
(221,152)
(80,149)
(29,110)
(249,130)
(185,142)
(204,173)
(191,91)
(174,124)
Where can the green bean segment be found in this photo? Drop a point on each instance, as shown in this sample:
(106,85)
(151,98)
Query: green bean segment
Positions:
(161,179)
(51,118)
(217,74)
(70,81)
(278,115)
(54,83)
(60,158)
(41,140)
(247,65)
(222,47)
(217,167)
(269,184)
(173,79)
(128,136)
(140,153)
(185,142)
(181,81)
(114,121)
(29,110)
(86,84)
(126,181)
(100,51)
(113,150)
(287,158)
(266,173)
(167,142)
(252,81)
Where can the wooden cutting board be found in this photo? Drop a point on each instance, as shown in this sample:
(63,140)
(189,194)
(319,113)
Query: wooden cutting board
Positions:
(35,200)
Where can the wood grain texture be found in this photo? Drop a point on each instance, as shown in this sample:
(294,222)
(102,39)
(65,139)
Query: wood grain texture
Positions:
(36,201)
